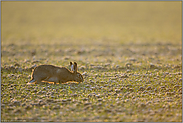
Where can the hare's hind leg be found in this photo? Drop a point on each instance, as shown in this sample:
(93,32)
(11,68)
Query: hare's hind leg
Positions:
(33,80)
(30,82)
(40,77)
(39,81)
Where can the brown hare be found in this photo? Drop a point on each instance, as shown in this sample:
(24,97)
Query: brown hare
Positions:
(55,74)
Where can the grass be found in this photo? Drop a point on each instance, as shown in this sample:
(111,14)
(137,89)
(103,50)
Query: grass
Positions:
(129,52)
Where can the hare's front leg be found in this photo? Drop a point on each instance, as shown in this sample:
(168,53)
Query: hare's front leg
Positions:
(62,81)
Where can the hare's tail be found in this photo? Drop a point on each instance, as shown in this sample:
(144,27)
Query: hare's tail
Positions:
(31,81)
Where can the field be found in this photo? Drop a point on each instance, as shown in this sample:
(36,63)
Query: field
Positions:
(130,55)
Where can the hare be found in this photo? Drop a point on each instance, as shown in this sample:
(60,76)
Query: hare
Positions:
(55,74)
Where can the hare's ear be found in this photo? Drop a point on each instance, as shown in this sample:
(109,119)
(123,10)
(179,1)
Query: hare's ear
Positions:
(75,67)
(72,66)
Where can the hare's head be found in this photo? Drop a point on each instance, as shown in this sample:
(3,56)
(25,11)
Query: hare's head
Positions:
(77,76)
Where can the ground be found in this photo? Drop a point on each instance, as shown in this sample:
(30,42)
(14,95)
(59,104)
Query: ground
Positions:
(128,52)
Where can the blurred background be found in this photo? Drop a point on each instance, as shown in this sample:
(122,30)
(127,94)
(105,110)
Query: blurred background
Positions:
(91,22)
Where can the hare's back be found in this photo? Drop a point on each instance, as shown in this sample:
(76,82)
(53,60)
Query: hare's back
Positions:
(45,68)
(51,68)
(62,70)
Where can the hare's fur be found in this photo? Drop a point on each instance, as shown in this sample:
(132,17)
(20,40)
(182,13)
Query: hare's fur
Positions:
(55,74)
